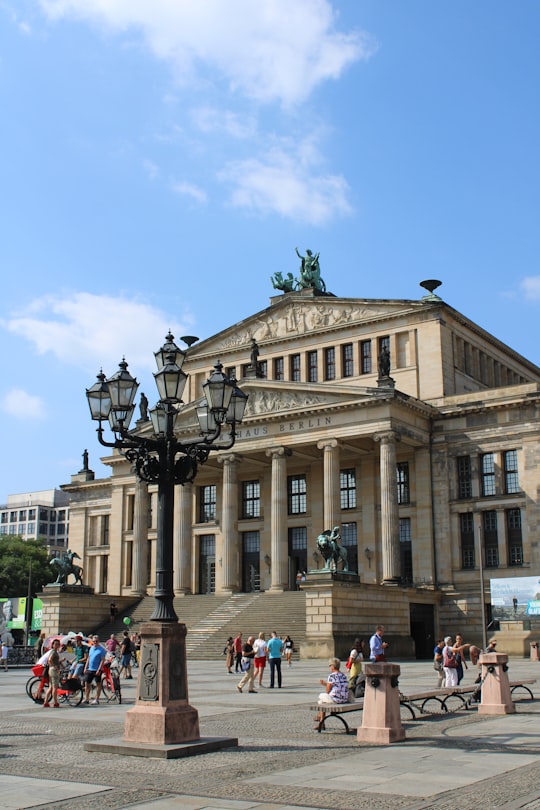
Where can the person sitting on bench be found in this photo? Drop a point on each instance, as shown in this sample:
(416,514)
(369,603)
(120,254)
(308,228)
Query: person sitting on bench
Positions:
(336,686)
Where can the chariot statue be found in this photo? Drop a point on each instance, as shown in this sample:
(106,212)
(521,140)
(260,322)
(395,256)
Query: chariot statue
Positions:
(332,551)
(65,566)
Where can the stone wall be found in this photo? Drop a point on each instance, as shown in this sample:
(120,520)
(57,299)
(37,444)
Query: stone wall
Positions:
(76,609)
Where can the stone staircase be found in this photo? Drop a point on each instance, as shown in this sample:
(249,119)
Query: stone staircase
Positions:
(211,619)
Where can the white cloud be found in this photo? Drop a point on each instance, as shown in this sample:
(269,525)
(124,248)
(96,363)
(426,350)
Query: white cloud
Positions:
(212,119)
(263,50)
(189,190)
(531,287)
(290,184)
(91,331)
(21,405)
(151,169)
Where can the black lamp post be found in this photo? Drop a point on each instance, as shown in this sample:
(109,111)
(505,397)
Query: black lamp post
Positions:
(165,460)
(162,458)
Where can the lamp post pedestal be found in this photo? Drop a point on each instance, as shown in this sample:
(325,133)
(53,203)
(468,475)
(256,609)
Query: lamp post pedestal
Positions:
(162,714)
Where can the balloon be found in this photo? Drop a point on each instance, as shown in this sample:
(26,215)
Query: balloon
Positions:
(127,620)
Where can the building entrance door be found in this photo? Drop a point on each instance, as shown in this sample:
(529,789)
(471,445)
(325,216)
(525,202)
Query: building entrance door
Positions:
(251,573)
(422,630)
(207,563)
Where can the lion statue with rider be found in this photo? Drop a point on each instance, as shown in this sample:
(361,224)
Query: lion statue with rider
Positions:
(332,551)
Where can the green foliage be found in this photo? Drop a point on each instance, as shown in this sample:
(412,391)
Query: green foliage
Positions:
(15,557)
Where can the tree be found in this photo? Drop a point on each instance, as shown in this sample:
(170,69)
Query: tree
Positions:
(15,557)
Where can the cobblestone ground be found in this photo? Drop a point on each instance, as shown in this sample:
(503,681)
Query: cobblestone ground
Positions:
(272,738)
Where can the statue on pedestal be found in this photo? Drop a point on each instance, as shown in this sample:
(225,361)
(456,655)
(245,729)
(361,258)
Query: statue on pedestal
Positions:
(331,549)
(66,566)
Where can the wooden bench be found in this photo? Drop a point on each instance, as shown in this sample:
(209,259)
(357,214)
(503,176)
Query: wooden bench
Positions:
(432,701)
(516,685)
(335,710)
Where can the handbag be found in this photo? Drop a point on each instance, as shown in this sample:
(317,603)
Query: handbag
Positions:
(437,666)
(449,662)
(245,664)
(348,665)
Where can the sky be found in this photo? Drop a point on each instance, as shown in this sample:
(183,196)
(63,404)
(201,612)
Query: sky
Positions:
(159,161)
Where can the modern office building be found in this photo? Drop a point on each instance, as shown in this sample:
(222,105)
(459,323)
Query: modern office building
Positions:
(33,515)
(402,422)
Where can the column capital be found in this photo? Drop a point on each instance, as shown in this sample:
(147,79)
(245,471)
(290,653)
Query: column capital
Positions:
(230,458)
(387,437)
(278,452)
(329,444)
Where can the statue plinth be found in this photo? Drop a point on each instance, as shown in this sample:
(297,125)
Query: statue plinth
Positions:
(323,575)
(63,587)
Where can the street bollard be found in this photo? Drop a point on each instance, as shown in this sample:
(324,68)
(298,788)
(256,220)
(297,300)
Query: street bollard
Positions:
(381,718)
(496,693)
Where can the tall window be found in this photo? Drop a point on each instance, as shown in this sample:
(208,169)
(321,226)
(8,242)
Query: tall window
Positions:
(513,533)
(296,495)
(511,478)
(297,539)
(347,489)
(491,542)
(349,539)
(464,477)
(207,503)
(347,360)
(488,474)
(263,368)
(251,499)
(330,363)
(405,547)
(402,475)
(295,367)
(365,357)
(279,368)
(467,539)
(105,530)
(312,364)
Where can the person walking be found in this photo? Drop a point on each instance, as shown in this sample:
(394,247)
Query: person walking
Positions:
(248,654)
(354,663)
(449,663)
(460,657)
(229,653)
(289,649)
(438,662)
(5,654)
(259,662)
(238,653)
(125,656)
(53,662)
(275,651)
(377,647)
(93,669)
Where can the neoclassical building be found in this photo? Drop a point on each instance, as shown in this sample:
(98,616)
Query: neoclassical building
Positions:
(402,422)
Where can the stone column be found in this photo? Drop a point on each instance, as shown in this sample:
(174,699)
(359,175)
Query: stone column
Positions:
(229,522)
(278,519)
(389,507)
(182,542)
(330,482)
(140,538)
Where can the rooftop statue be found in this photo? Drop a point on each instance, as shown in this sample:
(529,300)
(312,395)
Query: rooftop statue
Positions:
(286,284)
(310,271)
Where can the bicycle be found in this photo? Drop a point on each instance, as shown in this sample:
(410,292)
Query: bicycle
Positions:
(70,690)
(110,681)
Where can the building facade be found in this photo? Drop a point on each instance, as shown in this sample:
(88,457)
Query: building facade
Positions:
(33,515)
(401,422)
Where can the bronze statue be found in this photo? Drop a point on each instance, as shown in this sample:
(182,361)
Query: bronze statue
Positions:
(143,407)
(310,271)
(332,550)
(85,460)
(66,566)
(384,362)
(254,353)
(286,284)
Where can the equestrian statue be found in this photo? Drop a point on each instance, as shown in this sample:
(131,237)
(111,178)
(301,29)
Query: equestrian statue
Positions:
(66,566)
(332,550)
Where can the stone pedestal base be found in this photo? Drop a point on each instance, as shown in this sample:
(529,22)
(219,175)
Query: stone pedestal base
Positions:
(204,745)
(381,719)
(496,693)
(162,714)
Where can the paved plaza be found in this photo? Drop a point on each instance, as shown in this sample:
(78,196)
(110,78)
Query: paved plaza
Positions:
(447,761)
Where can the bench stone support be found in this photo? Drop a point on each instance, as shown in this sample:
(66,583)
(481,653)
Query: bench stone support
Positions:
(381,718)
(496,692)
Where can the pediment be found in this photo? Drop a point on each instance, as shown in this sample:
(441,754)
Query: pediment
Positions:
(293,315)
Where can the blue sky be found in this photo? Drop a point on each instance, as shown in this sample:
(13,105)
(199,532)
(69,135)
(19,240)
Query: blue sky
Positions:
(160,160)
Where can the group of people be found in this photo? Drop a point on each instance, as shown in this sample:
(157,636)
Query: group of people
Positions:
(449,659)
(89,658)
(249,658)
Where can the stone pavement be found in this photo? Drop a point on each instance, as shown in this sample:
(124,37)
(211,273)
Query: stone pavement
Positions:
(447,761)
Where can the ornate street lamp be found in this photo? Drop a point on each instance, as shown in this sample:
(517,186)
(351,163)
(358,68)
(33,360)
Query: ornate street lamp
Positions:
(165,460)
